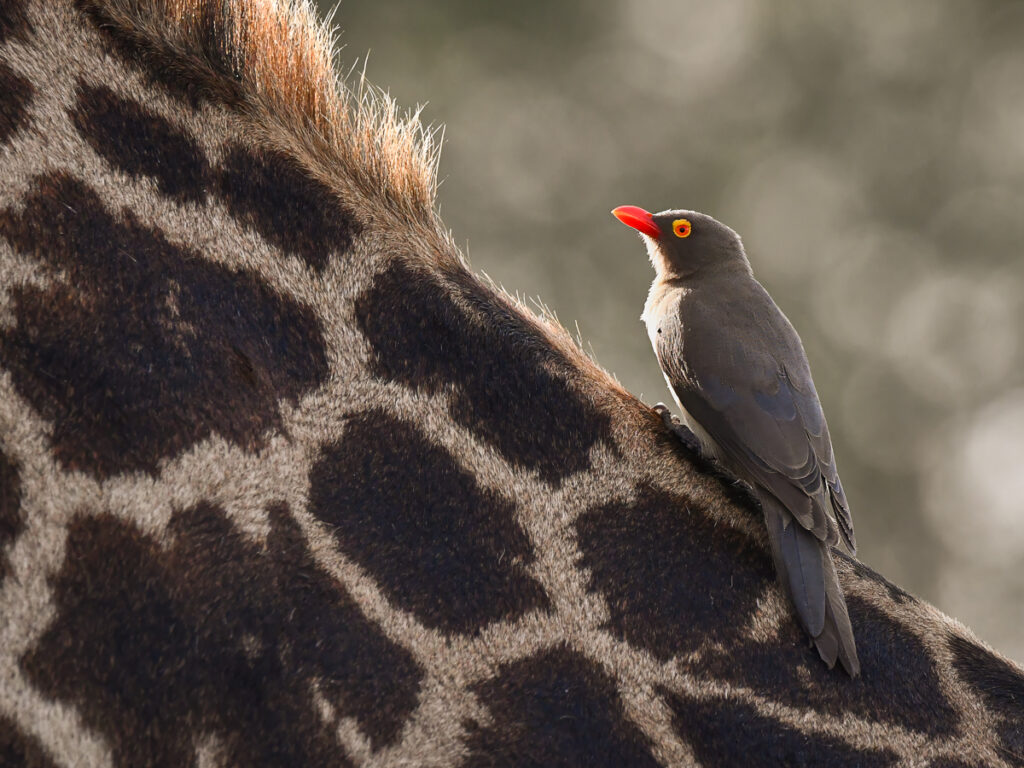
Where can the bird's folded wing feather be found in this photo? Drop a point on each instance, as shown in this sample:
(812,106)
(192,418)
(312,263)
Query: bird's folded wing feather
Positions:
(763,412)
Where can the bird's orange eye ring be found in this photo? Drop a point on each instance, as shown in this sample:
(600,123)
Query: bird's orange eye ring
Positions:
(682,227)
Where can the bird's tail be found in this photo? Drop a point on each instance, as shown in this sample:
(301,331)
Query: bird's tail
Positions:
(808,576)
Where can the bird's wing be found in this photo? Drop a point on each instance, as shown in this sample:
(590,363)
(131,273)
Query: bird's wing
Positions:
(743,376)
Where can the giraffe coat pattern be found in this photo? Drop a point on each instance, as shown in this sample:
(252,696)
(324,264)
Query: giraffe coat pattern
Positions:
(284,483)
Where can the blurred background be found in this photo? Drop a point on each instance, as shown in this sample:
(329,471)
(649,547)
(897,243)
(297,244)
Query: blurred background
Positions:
(871,155)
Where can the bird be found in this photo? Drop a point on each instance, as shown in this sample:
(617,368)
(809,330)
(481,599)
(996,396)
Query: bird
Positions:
(739,374)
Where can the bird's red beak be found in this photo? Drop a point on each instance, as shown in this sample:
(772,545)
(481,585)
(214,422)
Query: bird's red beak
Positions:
(638,219)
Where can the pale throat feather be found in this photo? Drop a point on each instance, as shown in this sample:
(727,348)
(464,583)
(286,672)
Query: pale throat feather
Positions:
(663,299)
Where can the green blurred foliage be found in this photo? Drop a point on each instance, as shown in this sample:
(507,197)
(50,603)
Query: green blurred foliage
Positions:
(871,155)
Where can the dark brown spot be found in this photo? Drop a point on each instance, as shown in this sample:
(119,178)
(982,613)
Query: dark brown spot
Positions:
(215,635)
(1000,686)
(508,384)
(11,519)
(212,73)
(672,578)
(141,143)
(556,709)
(13,21)
(436,543)
(19,749)
(897,595)
(674,582)
(726,732)
(899,683)
(291,210)
(15,95)
(132,350)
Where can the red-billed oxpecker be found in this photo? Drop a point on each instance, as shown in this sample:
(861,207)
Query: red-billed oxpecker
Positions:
(739,374)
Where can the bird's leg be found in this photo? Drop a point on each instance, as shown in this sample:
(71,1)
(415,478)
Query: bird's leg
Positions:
(680,430)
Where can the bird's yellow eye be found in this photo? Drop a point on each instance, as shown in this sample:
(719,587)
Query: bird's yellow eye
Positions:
(682,227)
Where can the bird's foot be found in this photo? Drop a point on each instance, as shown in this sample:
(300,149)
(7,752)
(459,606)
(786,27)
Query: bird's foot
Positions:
(687,438)
(709,461)
(680,430)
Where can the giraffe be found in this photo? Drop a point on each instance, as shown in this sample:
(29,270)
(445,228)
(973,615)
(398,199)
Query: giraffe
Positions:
(283,482)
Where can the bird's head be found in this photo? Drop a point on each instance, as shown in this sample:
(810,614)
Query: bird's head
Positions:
(684,243)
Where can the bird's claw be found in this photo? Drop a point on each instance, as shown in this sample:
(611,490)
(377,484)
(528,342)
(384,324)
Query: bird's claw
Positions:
(686,436)
(680,430)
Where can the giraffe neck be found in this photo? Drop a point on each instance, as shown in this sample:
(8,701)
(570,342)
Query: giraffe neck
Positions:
(282,482)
